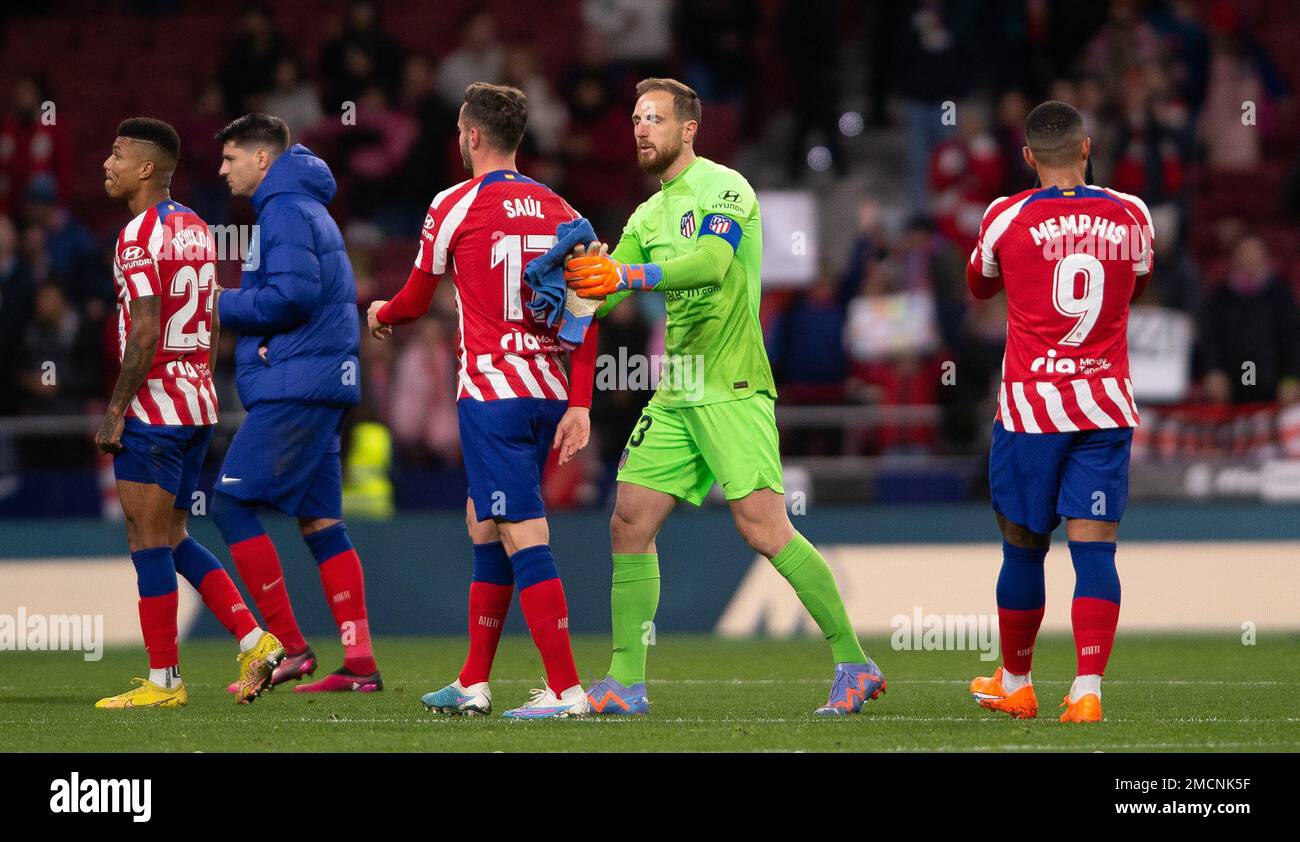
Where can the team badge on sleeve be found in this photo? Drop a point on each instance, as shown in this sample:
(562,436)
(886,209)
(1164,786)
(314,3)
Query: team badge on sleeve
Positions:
(688,224)
(719,225)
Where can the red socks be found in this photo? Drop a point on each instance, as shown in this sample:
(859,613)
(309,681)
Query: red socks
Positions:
(345,592)
(1018,630)
(222,598)
(158,625)
(344,584)
(547,615)
(259,567)
(1094,632)
(488,606)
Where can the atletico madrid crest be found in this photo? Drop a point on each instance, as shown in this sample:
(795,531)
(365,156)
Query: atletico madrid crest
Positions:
(688,224)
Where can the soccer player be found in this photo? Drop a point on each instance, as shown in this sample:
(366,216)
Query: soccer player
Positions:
(1071,258)
(161,415)
(513,398)
(698,241)
(297,372)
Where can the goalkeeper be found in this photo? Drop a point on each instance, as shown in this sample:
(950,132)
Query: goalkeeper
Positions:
(699,243)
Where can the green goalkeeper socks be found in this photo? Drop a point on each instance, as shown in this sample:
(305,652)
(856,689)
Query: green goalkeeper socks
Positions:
(807,572)
(633,600)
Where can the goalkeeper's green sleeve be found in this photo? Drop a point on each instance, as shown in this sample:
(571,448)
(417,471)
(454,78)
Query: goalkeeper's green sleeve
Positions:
(705,266)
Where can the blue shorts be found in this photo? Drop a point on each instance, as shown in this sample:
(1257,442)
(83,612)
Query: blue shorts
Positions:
(505,444)
(169,457)
(287,455)
(1038,478)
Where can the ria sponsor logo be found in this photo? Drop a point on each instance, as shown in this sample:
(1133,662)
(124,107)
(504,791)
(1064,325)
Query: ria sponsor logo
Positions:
(132,796)
(1051,364)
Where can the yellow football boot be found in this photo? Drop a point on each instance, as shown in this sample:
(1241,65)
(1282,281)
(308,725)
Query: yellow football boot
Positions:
(988,691)
(1086,709)
(256,666)
(146,694)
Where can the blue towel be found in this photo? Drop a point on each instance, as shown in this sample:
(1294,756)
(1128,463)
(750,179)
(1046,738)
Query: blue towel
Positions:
(545,277)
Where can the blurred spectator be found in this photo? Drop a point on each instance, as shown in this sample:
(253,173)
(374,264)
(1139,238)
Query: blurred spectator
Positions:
(422,406)
(293,99)
(477,58)
(932,69)
(1240,73)
(965,176)
(599,147)
(204,190)
(59,363)
(639,32)
(715,40)
(928,262)
(1149,155)
(1012,109)
(360,56)
(807,34)
(869,247)
(547,116)
(1126,41)
(32,144)
(891,334)
(248,65)
(16,293)
(375,151)
(1251,319)
(72,255)
(806,345)
(433,163)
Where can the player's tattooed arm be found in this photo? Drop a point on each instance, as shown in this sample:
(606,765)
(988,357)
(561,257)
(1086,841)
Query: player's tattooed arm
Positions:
(137,358)
(214,335)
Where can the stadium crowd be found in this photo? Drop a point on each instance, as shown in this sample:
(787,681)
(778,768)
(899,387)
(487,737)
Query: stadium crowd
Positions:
(1162,86)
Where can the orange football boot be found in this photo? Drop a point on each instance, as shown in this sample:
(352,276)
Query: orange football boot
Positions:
(1022,704)
(1086,709)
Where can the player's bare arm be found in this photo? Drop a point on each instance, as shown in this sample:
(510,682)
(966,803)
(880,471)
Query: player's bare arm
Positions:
(573,432)
(141,344)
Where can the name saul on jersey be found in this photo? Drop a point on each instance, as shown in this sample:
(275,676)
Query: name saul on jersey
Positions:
(132,796)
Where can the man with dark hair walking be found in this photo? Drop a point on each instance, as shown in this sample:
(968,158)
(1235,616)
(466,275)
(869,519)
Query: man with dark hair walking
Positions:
(298,374)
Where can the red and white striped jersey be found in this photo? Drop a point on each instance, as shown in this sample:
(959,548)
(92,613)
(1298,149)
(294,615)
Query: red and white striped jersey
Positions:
(485,230)
(167,251)
(1070,261)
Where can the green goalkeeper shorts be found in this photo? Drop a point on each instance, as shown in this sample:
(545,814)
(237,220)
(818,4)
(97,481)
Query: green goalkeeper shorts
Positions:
(682,451)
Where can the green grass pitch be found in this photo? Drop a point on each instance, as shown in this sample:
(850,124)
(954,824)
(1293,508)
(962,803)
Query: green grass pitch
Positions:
(1163,693)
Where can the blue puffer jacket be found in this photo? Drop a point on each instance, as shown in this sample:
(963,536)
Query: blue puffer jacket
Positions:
(300,299)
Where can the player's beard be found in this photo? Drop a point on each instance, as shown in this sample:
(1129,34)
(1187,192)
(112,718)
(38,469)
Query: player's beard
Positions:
(464,158)
(662,159)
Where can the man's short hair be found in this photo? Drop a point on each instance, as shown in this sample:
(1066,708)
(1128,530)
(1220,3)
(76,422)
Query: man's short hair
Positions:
(1053,132)
(257,130)
(499,111)
(160,134)
(686,103)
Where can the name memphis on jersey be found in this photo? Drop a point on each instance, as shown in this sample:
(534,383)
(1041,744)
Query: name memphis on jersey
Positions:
(484,229)
(167,251)
(1070,262)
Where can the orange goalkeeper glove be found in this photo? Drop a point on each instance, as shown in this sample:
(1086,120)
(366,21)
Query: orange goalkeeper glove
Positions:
(597,276)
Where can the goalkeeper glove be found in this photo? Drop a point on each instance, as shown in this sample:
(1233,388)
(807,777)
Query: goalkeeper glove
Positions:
(597,276)
(578,313)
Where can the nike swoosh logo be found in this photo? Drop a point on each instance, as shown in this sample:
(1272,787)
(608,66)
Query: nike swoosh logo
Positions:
(270,585)
(225,478)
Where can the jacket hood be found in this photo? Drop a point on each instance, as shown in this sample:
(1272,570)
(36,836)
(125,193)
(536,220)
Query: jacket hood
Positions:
(297,170)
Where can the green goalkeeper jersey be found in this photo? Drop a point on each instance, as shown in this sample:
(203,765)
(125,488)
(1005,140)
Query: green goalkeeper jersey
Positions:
(713,343)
